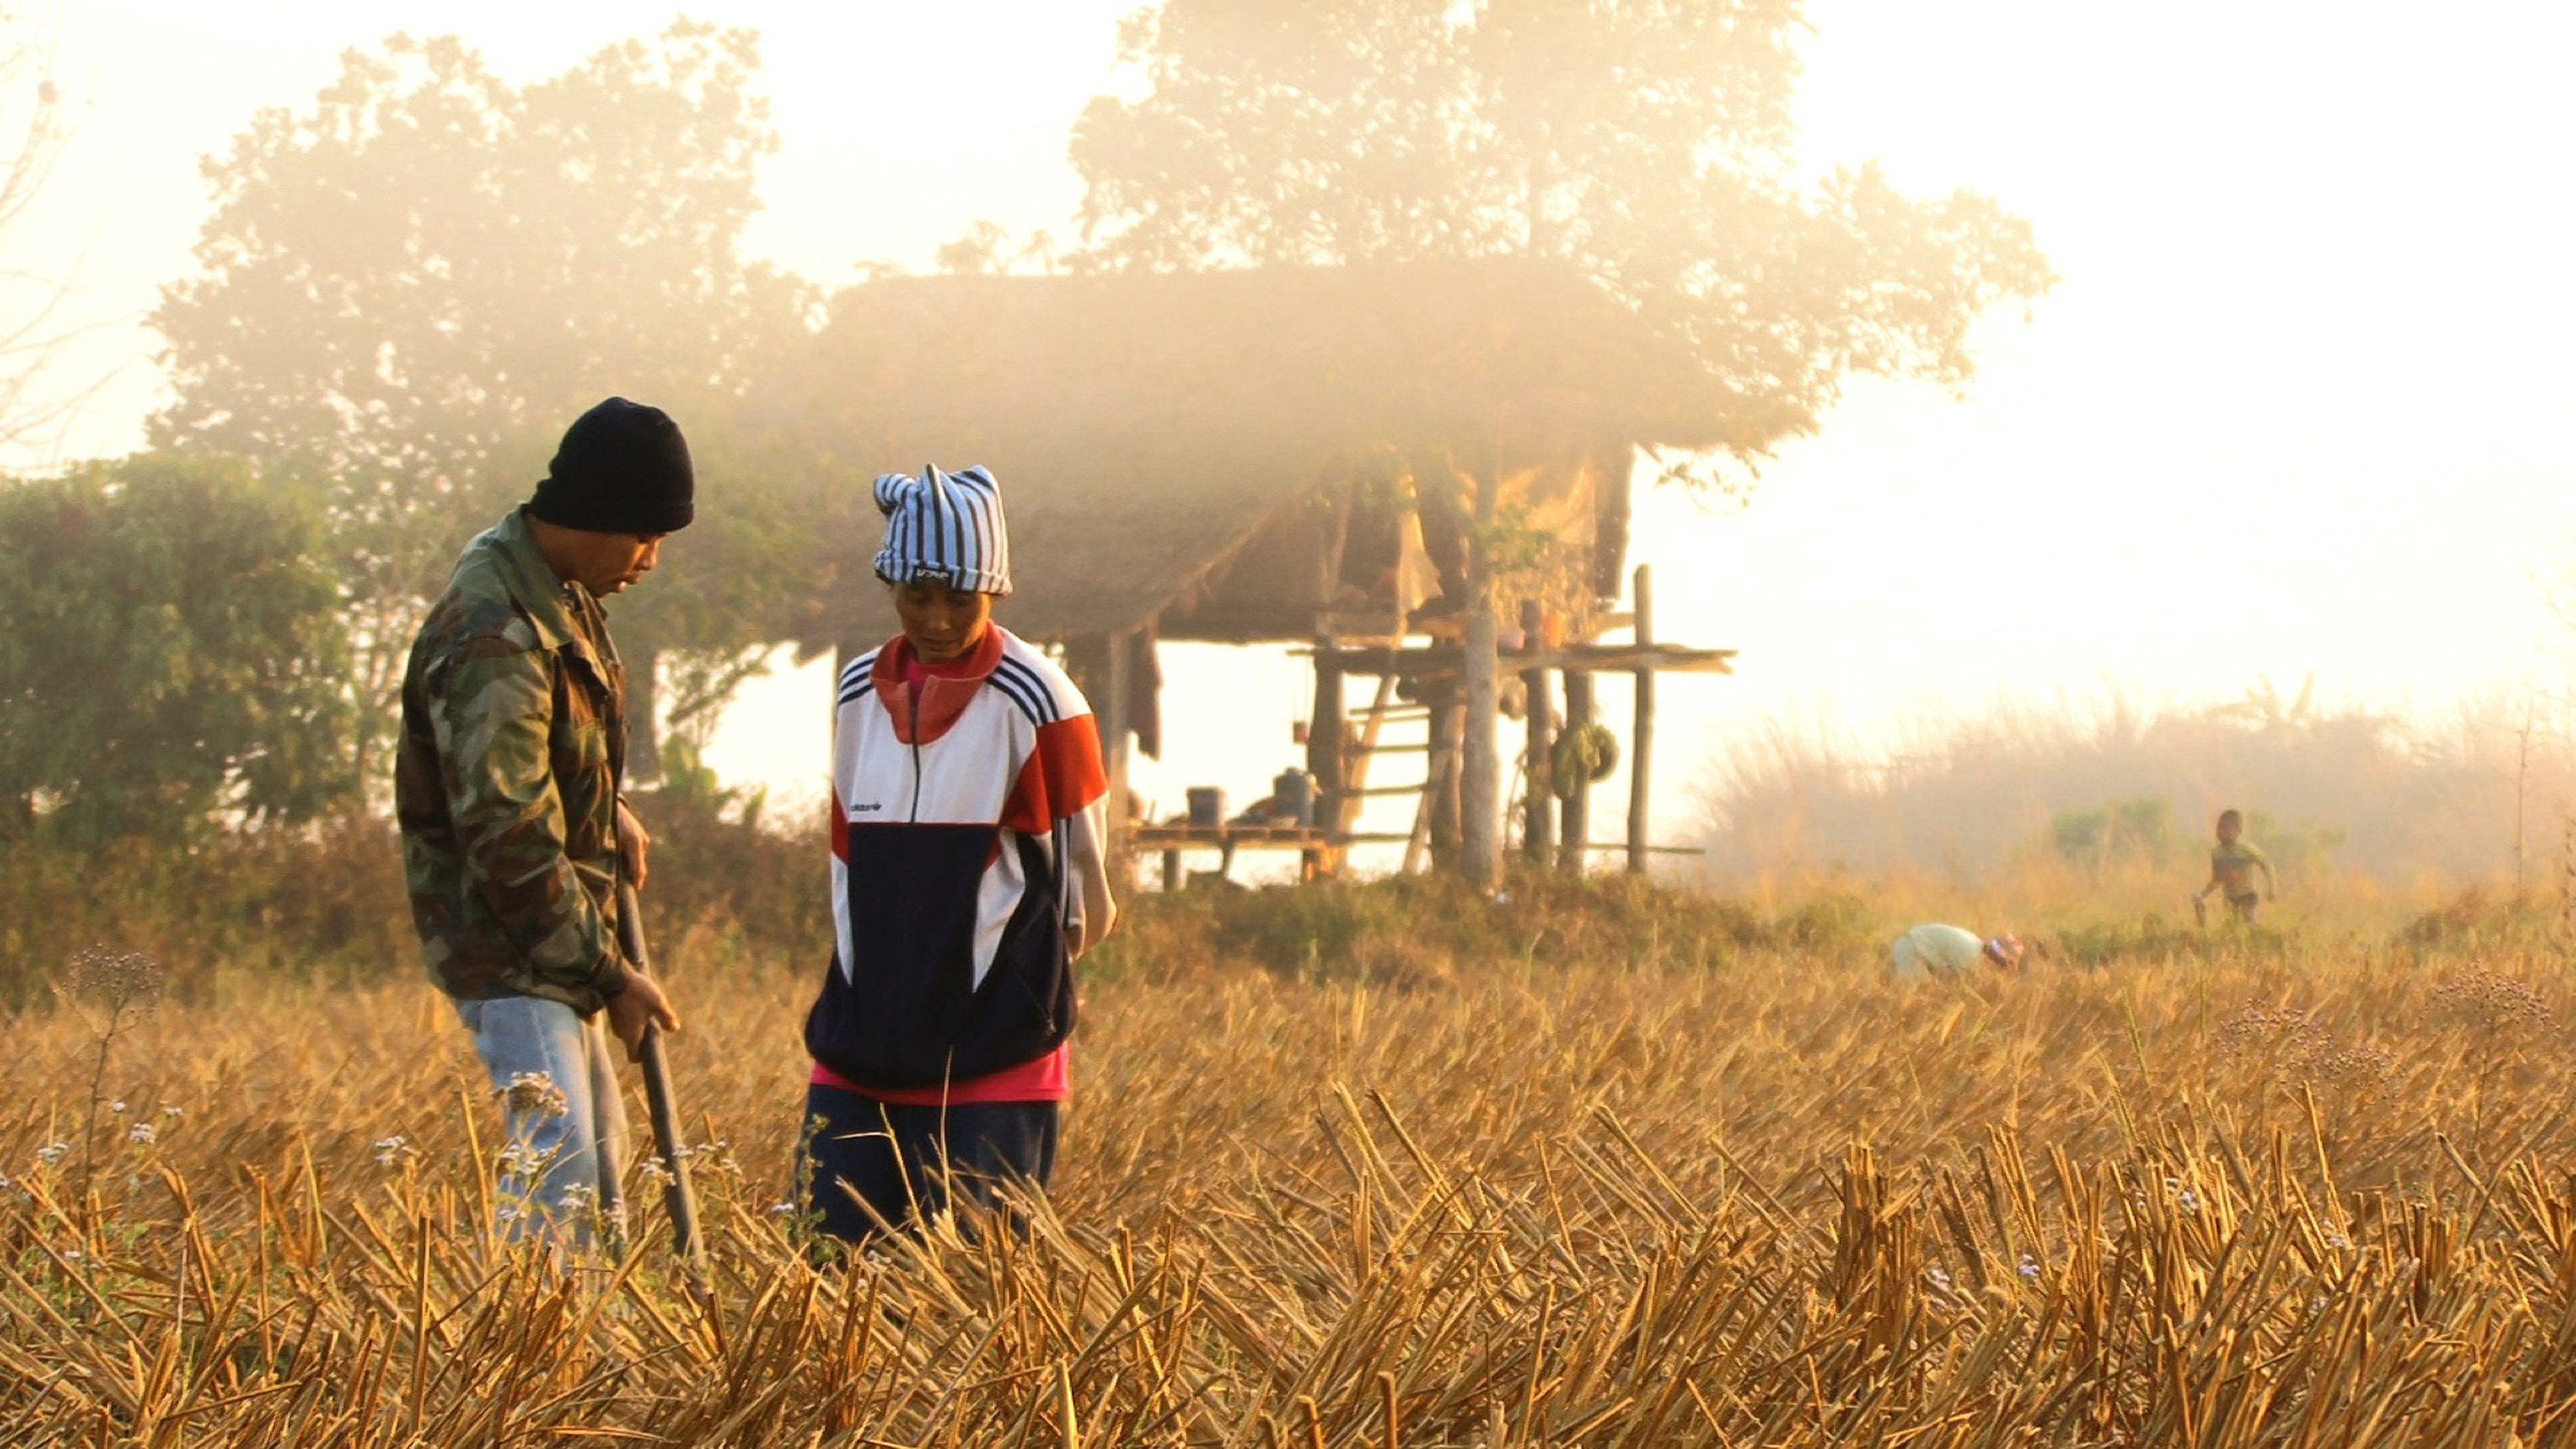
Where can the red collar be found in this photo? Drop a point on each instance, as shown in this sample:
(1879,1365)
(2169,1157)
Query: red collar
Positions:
(943,697)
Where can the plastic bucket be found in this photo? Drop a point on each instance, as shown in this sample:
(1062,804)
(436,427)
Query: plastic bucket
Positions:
(1207,805)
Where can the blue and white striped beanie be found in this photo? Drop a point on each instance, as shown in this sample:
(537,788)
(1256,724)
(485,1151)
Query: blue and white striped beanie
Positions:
(944,528)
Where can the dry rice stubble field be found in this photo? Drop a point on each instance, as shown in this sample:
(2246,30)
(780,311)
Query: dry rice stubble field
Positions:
(1785,1201)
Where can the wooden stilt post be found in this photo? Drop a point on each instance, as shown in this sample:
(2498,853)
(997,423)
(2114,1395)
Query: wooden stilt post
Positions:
(1115,716)
(1480,775)
(1641,749)
(1576,818)
(1325,752)
(1480,804)
(1538,813)
(1448,727)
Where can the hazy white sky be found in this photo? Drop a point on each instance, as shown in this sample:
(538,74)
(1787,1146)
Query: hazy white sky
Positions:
(2296,405)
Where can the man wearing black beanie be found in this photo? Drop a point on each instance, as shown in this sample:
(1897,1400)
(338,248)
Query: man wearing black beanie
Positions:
(506,788)
(623,468)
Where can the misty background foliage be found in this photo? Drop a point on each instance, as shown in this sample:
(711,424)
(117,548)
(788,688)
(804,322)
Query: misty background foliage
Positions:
(2068,796)
(1650,145)
(409,283)
(410,286)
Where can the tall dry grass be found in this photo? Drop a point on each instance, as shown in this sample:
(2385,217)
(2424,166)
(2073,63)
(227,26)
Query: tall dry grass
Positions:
(1622,1194)
(323,903)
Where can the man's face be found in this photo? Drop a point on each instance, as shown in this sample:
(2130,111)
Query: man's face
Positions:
(942,623)
(605,563)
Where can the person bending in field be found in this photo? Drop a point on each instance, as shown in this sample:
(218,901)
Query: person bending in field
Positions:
(2232,864)
(1951,952)
(969,825)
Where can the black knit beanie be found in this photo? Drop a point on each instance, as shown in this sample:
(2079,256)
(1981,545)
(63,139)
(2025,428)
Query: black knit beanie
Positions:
(623,468)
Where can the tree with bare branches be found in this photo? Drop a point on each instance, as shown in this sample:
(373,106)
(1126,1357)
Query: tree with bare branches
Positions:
(36,396)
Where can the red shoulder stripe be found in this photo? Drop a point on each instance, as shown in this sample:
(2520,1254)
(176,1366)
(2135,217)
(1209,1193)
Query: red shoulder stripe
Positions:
(1061,777)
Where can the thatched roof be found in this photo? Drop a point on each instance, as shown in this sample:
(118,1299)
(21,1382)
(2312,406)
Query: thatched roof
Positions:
(1146,427)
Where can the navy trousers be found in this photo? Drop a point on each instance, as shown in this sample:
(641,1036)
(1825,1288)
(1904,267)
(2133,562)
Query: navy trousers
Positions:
(910,1162)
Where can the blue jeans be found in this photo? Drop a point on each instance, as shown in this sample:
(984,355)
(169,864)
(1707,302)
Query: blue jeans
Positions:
(907,1162)
(564,1158)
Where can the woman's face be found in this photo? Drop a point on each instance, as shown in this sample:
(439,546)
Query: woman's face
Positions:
(942,623)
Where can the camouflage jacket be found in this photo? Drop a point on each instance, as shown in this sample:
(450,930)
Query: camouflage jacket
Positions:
(506,780)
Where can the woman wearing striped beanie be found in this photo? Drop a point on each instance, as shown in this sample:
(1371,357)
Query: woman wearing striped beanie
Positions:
(969,832)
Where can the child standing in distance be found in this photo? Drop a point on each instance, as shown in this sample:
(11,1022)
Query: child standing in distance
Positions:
(969,826)
(2232,864)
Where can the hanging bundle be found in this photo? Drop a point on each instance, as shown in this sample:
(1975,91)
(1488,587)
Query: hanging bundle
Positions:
(1584,755)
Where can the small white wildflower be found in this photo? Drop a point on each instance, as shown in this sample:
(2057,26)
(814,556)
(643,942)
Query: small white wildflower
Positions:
(141,1134)
(72,1253)
(391,1150)
(784,1208)
(52,1152)
(2028,1268)
(174,1111)
(116,1106)
(2337,1240)
(2188,1200)
(5,1183)
(1940,1279)
(654,1172)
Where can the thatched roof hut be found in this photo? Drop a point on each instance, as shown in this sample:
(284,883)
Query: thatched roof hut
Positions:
(1223,455)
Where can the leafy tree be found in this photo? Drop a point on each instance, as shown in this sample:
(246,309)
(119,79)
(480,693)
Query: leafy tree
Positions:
(1646,141)
(174,651)
(411,287)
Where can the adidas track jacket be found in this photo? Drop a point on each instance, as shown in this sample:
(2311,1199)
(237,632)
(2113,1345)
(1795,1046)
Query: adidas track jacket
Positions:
(968,836)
